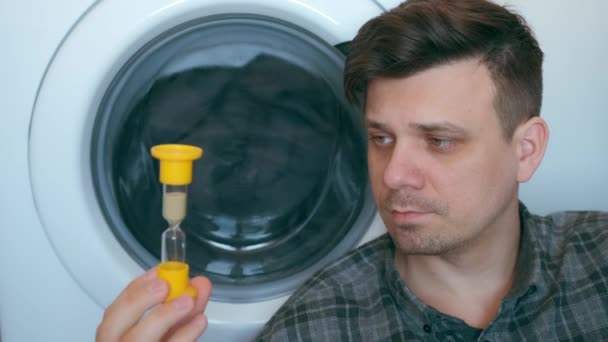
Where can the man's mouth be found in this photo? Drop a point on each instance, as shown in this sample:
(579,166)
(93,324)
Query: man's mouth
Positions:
(400,216)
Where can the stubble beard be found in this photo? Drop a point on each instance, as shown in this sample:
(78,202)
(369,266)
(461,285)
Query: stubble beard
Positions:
(416,239)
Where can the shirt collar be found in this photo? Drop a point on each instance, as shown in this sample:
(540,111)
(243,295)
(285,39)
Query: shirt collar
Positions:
(528,271)
(411,306)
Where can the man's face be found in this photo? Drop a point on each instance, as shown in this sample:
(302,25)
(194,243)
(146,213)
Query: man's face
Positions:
(441,171)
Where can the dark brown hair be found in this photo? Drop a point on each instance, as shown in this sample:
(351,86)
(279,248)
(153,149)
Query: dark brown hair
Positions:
(421,34)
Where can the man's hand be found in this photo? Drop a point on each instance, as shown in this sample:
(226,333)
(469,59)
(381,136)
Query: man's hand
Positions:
(179,320)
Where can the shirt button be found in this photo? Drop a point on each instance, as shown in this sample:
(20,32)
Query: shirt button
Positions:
(427,328)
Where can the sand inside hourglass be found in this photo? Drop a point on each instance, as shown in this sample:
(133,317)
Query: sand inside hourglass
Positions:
(174,207)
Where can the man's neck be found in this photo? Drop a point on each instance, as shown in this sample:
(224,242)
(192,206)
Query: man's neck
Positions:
(470,282)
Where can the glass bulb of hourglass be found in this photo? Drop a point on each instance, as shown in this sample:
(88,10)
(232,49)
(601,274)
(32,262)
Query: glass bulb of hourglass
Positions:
(173,246)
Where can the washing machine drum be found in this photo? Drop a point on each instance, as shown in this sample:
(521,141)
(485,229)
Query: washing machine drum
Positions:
(282,187)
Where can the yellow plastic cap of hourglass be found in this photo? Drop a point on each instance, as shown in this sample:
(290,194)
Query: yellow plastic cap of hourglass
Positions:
(176,162)
(176,274)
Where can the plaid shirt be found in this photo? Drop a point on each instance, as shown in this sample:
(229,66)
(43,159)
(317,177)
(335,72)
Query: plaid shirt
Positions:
(560,293)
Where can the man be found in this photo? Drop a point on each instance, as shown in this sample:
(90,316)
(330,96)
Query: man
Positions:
(451,92)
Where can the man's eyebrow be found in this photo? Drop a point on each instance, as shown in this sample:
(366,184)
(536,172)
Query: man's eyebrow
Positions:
(375,124)
(438,127)
(432,127)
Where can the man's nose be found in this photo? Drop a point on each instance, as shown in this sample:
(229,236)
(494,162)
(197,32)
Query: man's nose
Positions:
(404,169)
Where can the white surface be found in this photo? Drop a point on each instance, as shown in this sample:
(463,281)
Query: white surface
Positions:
(71,265)
(37,297)
(389,4)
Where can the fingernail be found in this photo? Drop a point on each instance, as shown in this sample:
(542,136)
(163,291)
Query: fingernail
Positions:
(156,286)
(182,303)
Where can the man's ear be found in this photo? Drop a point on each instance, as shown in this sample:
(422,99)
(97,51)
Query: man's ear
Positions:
(530,140)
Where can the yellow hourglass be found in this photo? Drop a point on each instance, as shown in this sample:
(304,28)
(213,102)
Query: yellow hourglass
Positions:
(175,175)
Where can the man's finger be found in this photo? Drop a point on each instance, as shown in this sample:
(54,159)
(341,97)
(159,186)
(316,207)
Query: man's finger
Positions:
(203,286)
(140,295)
(190,331)
(156,325)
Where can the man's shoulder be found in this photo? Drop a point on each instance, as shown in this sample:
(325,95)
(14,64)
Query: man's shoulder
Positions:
(572,247)
(358,268)
(570,226)
(333,298)
(577,240)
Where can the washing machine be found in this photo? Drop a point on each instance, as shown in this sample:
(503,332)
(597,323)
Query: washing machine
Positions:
(88,86)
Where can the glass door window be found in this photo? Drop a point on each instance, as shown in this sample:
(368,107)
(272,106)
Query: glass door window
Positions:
(282,187)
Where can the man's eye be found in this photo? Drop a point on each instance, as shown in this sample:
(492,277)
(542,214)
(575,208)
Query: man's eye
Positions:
(381,139)
(441,143)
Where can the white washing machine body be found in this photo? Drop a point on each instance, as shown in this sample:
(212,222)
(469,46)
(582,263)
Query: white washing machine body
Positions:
(65,265)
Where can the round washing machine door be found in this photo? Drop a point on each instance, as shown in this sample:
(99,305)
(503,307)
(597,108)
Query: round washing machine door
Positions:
(282,188)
